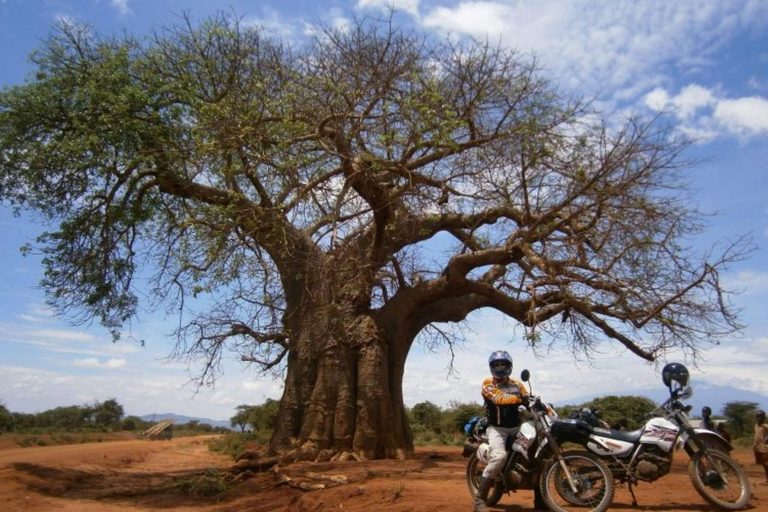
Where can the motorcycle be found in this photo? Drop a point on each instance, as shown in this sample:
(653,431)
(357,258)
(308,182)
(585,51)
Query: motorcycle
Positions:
(566,479)
(646,454)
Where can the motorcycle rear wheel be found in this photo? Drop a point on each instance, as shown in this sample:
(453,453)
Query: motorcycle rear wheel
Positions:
(474,471)
(729,491)
(593,479)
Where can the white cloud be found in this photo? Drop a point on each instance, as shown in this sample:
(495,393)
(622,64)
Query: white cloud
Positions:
(121,6)
(60,334)
(749,281)
(473,18)
(93,362)
(272,23)
(338,20)
(691,99)
(658,99)
(409,6)
(705,115)
(601,44)
(743,116)
(63,341)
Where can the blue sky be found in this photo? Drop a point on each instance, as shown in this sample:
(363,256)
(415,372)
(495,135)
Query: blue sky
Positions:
(705,62)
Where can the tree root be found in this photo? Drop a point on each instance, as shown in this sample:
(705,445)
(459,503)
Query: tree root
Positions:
(311,481)
(250,464)
(259,462)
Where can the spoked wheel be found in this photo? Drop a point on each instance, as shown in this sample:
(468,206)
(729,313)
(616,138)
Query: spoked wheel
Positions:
(475,469)
(719,479)
(592,478)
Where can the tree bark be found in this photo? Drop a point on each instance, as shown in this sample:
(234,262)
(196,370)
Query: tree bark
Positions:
(343,388)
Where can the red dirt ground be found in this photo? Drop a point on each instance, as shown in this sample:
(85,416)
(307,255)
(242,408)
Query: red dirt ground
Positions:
(141,476)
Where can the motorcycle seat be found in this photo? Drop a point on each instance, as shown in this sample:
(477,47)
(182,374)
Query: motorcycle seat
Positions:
(621,435)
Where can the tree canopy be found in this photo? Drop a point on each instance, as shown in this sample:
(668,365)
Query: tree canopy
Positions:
(332,201)
(741,417)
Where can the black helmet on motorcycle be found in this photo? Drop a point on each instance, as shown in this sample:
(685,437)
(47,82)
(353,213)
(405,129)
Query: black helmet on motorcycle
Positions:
(500,363)
(675,372)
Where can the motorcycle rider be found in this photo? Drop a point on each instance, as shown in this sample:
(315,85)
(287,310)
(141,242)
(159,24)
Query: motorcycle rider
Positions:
(502,396)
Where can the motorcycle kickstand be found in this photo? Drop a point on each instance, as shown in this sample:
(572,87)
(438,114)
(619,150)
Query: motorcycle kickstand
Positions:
(632,493)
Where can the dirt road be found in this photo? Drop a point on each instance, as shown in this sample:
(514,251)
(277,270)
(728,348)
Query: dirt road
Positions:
(177,475)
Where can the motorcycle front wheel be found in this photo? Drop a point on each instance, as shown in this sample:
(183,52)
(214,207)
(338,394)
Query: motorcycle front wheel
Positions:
(719,479)
(592,478)
(474,471)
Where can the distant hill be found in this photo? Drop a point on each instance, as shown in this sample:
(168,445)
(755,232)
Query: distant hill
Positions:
(704,393)
(180,418)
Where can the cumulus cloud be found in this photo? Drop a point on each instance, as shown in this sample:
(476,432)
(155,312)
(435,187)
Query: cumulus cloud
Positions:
(743,116)
(704,114)
(473,18)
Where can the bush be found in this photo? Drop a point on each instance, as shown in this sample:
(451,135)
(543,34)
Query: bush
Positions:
(235,444)
(209,483)
(433,425)
(6,419)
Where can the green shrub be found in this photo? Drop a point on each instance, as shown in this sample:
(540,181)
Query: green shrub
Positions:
(235,444)
(209,483)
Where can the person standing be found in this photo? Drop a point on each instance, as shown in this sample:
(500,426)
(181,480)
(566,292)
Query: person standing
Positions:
(502,396)
(761,442)
(706,418)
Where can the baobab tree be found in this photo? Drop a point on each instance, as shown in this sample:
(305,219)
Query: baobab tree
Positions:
(315,208)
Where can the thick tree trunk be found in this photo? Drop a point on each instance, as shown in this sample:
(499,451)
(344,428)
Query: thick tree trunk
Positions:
(343,388)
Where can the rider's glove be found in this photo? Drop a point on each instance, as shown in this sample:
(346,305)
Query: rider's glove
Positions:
(525,401)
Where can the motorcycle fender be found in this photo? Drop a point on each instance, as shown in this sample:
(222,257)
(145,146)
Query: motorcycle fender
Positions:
(709,438)
(604,446)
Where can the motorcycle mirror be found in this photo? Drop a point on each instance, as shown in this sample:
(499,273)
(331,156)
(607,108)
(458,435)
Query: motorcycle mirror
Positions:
(525,375)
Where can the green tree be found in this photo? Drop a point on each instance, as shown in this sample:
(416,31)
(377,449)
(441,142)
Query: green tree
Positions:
(629,411)
(70,417)
(741,417)
(242,416)
(6,419)
(427,414)
(287,201)
(109,412)
(263,418)
(24,421)
(461,413)
(132,423)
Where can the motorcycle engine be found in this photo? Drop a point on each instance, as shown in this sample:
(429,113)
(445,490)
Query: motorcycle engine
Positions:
(651,466)
(647,470)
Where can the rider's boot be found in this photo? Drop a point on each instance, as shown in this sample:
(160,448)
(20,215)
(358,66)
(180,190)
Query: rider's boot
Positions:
(538,500)
(482,494)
